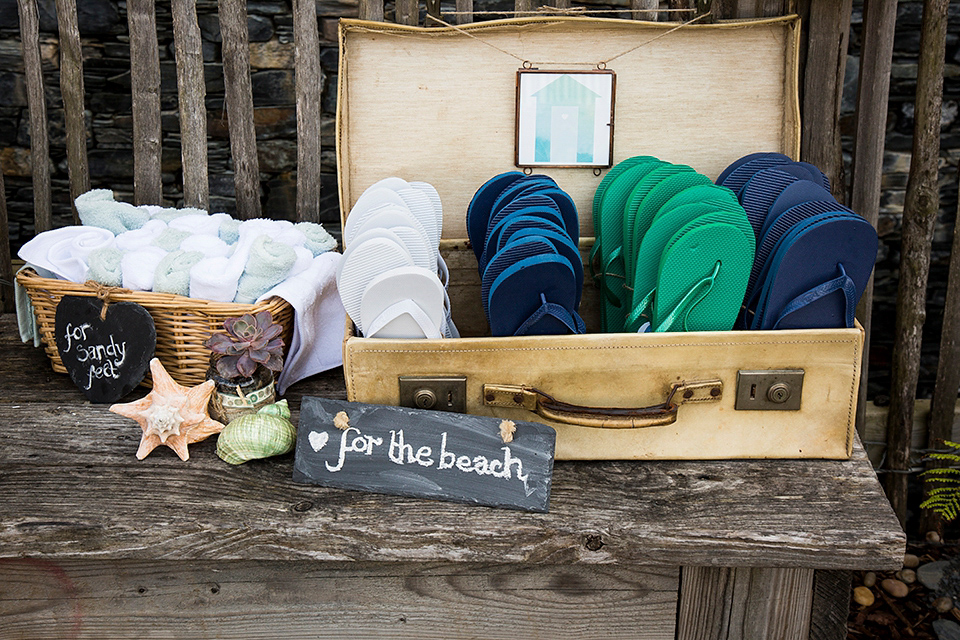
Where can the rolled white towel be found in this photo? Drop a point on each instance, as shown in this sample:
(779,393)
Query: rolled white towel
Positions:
(142,237)
(140,266)
(97,208)
(198,225)
(64,251)
(209,246)
(212,279)
(303,262)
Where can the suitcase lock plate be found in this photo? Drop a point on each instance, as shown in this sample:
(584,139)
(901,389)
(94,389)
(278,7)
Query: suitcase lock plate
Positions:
(439,393)
(769,390)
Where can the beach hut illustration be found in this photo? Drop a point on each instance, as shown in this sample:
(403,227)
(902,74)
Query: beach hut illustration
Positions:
(564,122)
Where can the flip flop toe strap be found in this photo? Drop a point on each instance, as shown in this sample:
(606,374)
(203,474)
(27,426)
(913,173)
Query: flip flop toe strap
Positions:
(642,311)
(691,299)
(840,283)
(404,307)
(572,321)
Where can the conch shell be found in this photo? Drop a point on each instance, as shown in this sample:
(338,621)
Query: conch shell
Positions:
(266,433)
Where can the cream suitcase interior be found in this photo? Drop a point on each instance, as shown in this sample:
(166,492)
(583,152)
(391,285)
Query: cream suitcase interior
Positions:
(439,105)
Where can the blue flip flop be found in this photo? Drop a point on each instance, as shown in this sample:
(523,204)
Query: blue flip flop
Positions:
(818,274)
(481,206)
(563,246)
(527,213)
(524,186)
(750,157)
(761,191)
(511,254)
(739,177)
(535,296)
(807,171)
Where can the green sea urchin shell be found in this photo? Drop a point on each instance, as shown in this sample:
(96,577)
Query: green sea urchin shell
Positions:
(258,435)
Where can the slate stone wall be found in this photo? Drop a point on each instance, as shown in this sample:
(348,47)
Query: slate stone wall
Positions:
(103,26)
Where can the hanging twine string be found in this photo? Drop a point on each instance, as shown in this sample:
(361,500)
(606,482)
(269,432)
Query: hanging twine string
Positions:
(601,64)
(103,294)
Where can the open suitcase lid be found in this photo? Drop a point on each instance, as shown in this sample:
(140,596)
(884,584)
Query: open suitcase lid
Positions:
(439,105)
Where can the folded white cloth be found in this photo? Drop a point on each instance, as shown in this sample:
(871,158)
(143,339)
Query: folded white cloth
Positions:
(142,237)
(303,262)
(168,214)
(105,266)
(319,319)
(64,251)
(173,272)
(97,208)
(317,238)
(200,224)
(214,279)
(209,246)
(269,264)
(140,266)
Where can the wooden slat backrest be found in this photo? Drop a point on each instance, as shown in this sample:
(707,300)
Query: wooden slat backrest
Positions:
(145,86)
(39,145)
(192,98)
(71,89)
(6,267)
(308,76)
(239,98)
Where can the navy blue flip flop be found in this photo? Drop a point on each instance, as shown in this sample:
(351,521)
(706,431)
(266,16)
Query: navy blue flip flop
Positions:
(511,254)
(766,156)
(481,206)
(761,191)
(740,176)
(527,213)
(563,246)
(818,273)
(535,296)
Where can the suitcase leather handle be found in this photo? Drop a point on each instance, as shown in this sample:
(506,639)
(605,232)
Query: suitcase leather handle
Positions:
(546,406)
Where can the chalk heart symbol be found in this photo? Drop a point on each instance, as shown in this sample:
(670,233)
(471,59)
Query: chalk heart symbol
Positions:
(318,439)
(105,358)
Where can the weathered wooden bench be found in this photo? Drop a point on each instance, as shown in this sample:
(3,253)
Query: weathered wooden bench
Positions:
(94,543)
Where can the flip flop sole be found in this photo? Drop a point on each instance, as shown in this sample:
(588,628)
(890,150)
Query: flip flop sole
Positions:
(745,159)
(718,251)
(519,293)
(511,254)
(360,264)
(386,293)
(481,206)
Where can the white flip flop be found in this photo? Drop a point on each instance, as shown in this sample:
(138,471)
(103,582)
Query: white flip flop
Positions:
(403,303)
(370,201)
(400,221)
(361,263)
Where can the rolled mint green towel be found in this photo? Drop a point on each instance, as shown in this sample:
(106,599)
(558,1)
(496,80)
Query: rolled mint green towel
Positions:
(170,239)
(173,272)
(104,265)
(318,240)
(97,208)
(230,231)
(268,264)
(169,213)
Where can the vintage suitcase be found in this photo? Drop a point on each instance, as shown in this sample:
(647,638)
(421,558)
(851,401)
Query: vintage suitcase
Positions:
(439,105)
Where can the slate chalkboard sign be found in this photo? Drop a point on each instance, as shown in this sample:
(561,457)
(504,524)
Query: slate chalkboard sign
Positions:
(106,358)
(427,454)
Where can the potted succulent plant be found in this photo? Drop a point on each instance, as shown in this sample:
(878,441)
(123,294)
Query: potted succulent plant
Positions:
(243,362)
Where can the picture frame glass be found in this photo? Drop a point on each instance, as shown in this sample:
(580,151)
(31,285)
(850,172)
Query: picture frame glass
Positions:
(565,118)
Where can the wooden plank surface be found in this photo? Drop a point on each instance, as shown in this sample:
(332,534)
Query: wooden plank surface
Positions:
(464,12)
(408,12)
(81,493)
(71,88)
(309,79)
(831,605)
(744,604)
(145,87)
(36,102)
(90,599)
(239,98)
(370,10)
(192,99)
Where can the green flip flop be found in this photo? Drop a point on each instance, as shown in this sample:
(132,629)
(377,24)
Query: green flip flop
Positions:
(702,277)
(611,277)
(703,193)
(644,204)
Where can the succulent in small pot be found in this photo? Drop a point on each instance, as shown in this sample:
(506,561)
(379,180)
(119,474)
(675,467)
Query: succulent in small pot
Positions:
(243,361)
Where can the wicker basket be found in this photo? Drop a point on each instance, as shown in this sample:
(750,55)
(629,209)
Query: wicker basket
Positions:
(183,324)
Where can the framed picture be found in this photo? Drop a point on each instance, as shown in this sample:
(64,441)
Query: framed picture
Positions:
(565,118)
